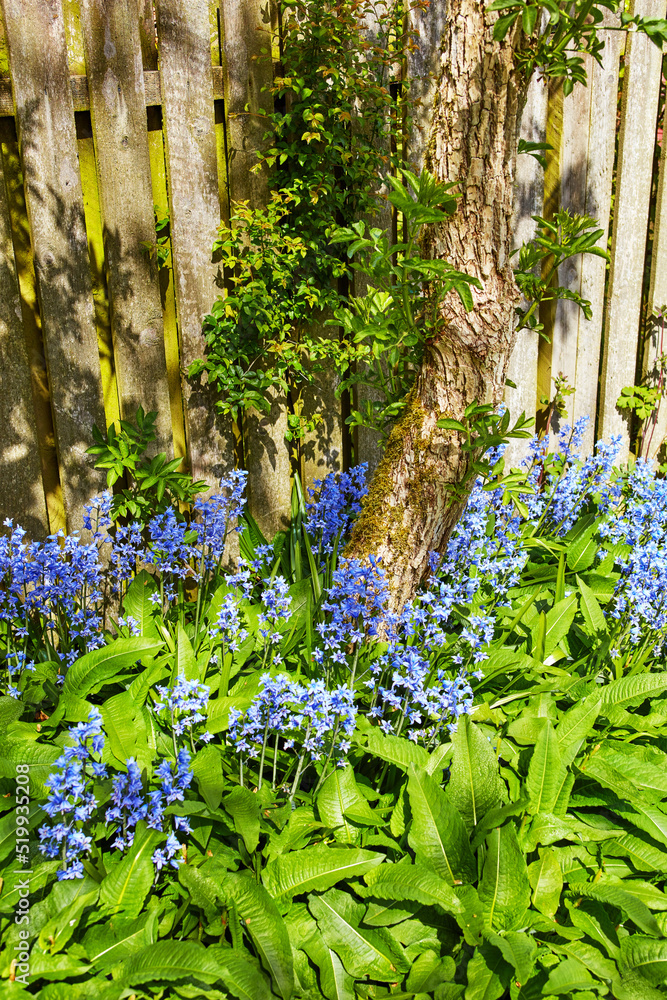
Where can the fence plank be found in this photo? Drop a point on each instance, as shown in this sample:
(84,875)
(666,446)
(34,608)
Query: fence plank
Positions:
(586,164)
(45,117)
(655,344)
(147,34)
(528,201)
(641,85)
(246,25)
(118,113)
(22,493)
(322,449)
(423,68)
(187,87)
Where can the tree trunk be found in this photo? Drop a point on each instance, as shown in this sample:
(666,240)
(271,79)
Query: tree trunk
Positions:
(409,510)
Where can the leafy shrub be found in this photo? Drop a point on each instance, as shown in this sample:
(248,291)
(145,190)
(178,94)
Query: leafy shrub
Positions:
(266,784)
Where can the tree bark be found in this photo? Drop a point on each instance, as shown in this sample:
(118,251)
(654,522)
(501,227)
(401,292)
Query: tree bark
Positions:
(409,510)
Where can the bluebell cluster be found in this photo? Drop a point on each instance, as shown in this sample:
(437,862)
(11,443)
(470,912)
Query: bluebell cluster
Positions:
(73,804)
(308,718)
(229,629)
(187,704)
(71,799)
(335,503)
(276,607)
(52,593)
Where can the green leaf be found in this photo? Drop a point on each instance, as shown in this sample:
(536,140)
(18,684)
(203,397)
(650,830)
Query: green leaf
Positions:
(136,604)
(338,794)
(519,950)
(396,750)
(633,907)
(95,669)
(546,773)
(559,620)
(336,983)
(567,977)
(126,729)
(576,725)
(170,961)
(107,944)
(504,889)
(428,971)
(647,956)
(363,952)
(127,884)
(632,690)
(415,882)
(316,868)
(266,927)
(244,807)
(475,785)
(488,974)
(546,880)
(591,610)
(186,659)
(437,833)
(207,769)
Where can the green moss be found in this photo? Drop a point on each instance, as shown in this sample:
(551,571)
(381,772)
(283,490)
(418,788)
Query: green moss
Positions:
(379,519)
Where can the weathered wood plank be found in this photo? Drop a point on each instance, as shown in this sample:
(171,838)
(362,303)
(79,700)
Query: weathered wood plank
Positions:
(187,88)
(641,85)
(246,25)
(587,162)
(32,328)
(118,114)
(22,493)
(147,35)
(655,344)
(322,448)
(423,68)
(528,201)
(45,117)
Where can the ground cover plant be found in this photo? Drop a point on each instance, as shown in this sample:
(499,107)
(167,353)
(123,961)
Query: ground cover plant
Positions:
(254,781)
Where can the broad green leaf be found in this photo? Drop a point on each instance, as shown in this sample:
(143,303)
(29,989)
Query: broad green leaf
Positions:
(266,927)
(631,690)
(567,977)
(591,611)
(645,955)
(519,950)
(633,986)
(170,961)
(338,794)
(428,971)
(336,983)
(475,785)
(546,773)
(205,890)
(593,918)
(581,552)
(576,725)
(218,714)
(396,750)
(186,660)
(66,903)
(126,730)
(95,669)
(559,620)
(136,604)
(416,882)
(437,832)
(638,912)
(128,883)
(504,889)
(363,952)
(244,807)
(488,974)
(316,868)
(644,856)
(10,710)
(546,881)
(207,769)
(108,943)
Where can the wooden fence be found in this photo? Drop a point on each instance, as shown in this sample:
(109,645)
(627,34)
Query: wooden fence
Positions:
(95,130)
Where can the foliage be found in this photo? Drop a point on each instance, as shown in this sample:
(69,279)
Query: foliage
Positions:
(641,399)
(391,323)
(556,35)
(536,270)
(143,486)
(263,792)
(161,249)
(335,133)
